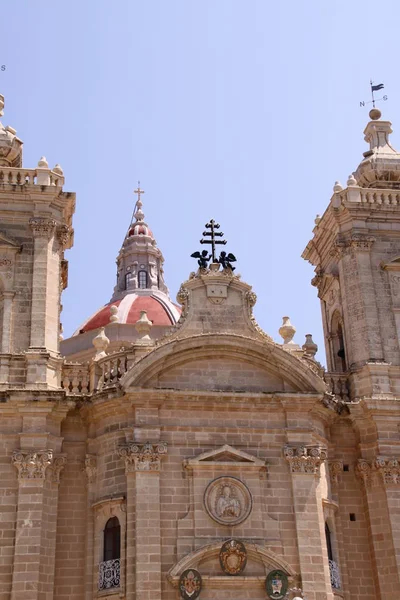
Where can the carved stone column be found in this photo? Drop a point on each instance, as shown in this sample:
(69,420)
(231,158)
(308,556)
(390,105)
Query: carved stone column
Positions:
(91,472)
(42,296)
(143,556)
(381,482)
(304,463)
(35,538)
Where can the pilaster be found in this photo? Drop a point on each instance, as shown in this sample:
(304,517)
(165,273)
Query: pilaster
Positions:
(142,467)
(35,539)
(304,463)
(375,477)
(42,335)
(91,473)
(7,298)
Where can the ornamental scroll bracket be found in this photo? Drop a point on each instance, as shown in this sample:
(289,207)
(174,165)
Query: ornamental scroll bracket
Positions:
(305,459)
(143,457)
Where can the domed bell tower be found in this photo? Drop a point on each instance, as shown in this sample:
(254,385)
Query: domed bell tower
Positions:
(356,253)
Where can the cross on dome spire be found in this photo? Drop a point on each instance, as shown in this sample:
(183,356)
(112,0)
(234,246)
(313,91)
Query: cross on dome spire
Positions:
(138,213)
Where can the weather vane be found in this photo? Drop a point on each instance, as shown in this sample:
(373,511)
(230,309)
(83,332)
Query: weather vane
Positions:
(212,238)
(374,88)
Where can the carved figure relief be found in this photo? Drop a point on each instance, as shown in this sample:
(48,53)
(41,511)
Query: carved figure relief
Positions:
(233,557)
(190,584)
(228,500)
(276,584)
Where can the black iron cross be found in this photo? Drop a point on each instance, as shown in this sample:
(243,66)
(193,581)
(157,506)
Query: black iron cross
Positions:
(212,226)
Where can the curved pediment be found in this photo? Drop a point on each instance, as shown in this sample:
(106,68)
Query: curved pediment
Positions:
(222,362)
(208,554)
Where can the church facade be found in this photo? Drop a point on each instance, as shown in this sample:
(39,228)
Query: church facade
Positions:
(175,450)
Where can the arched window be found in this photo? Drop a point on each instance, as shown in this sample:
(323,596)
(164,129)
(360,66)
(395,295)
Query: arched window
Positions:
(328,541)
(112,540)
(338,345)
(142,280)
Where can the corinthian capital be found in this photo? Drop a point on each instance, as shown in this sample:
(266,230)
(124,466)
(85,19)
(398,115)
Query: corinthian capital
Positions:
(91,467)
(42,227)
(305,459)
(389,469)
(143,457)
(31,464)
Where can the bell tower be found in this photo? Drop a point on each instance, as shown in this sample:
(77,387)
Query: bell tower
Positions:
(35,230)
(355,250)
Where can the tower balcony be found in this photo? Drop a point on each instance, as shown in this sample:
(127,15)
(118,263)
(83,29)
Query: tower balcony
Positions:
(39,176)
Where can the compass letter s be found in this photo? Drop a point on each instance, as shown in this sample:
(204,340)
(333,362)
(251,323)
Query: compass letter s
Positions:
(3,67)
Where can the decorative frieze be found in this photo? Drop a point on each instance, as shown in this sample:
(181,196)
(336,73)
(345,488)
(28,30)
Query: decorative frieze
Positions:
(335,468)
(143,457)
(91,467)
(31,464)
(42,227)
(305,459)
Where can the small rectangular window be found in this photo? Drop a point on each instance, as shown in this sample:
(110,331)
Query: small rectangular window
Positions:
(352,517)
(345,467)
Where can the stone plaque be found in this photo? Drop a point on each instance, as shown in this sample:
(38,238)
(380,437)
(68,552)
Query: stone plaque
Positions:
(228,500)
(190,584)
(276,584)
(233,557)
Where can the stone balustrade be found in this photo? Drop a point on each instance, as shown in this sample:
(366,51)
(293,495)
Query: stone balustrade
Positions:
(338,384)
(75,378)
(112,367)
(14,176)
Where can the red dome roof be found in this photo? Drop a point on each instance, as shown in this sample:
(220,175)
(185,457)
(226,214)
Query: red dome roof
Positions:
(159,308)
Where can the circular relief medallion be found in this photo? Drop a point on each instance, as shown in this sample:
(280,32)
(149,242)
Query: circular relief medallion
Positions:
(276,584)
(233,557)
(190,584)
(228,500)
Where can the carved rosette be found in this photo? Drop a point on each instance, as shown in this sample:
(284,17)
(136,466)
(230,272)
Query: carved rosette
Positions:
(389,469)
(305,459)
(335,469)
(42,227)
(31,464)
(90,467)
(143,457)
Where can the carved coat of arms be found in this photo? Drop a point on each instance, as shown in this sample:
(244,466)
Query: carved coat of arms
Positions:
(233,557)
(276,584)
(190,584)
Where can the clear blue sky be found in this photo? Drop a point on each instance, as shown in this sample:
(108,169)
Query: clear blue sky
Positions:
(242,111)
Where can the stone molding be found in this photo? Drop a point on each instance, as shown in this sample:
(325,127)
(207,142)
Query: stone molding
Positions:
(143,457)
(90,467)
(32,464)
(42,227)
(305,459)
(335,469)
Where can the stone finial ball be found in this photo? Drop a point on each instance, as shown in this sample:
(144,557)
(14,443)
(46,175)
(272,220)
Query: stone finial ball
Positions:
(375,114)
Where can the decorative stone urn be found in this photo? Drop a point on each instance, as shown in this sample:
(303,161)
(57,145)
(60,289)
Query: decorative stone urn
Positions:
(100,342)
(287,331)
(310,347)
